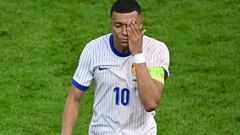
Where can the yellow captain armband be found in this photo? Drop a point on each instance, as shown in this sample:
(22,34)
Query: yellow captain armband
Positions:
(157,73)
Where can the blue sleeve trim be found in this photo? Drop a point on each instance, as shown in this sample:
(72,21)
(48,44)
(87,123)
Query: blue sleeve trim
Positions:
(79,86)
(166,74)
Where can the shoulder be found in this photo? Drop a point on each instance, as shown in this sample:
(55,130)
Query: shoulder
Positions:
(96,46)
(95,43)
(153,44)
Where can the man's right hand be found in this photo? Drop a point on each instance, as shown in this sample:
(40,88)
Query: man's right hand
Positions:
(71,110)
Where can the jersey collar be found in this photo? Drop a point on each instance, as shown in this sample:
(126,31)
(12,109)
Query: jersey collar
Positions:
(115,51)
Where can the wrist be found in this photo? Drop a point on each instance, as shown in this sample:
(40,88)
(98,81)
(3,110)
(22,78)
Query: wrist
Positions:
(138,58)
(136,52)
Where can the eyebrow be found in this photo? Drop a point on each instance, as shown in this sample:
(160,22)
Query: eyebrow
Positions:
(120,23)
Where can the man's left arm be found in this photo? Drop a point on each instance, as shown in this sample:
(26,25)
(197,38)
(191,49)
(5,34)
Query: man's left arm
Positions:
(150,89)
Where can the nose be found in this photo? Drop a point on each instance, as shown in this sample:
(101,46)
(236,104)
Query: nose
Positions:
(124,30)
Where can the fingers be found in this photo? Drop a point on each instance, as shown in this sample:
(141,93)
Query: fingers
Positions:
(135,37)
(133,29)
(129,29)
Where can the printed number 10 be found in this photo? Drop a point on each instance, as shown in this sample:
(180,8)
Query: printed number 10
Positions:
(122,95)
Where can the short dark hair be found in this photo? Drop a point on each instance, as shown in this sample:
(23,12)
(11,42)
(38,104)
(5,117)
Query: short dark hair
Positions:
(125,6)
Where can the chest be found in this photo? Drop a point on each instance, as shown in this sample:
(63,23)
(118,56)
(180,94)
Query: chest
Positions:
(114,72)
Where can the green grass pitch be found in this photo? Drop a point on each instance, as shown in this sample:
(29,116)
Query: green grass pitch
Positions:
(40,44)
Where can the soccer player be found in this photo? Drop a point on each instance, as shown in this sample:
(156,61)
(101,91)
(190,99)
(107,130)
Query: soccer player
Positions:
(128,69)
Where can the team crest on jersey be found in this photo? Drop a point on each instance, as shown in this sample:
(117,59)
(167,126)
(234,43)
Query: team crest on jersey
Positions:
(134,73)
(133,70)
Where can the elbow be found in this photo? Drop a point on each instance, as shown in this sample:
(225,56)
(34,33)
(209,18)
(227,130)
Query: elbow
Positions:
(151,107)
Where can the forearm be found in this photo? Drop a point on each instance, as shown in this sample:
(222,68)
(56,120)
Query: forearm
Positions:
(69,115)
(149,91)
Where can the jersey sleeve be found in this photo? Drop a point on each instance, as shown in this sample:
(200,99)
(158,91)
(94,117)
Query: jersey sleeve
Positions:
(83,75)
(160,57)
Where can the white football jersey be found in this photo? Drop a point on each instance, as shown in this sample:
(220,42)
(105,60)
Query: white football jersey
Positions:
(117,108)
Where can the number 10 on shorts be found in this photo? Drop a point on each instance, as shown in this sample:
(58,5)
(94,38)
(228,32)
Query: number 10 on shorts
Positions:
(122,96)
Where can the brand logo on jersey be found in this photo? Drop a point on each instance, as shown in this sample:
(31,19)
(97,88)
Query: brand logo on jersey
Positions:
(102,68)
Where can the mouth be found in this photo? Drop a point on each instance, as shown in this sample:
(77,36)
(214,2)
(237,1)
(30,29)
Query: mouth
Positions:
(124,40)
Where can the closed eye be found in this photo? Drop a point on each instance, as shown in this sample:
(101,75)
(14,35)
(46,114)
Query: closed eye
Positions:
(118,25)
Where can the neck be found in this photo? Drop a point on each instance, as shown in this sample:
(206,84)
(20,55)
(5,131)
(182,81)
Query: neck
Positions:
(119,48)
